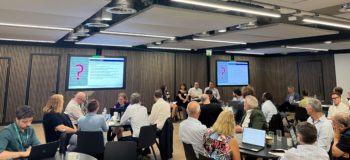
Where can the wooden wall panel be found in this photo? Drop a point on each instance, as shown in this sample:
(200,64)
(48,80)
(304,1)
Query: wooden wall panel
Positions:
(191,68)
(4,64)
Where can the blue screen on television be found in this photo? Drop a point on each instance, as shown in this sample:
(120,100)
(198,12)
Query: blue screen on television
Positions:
(232,73)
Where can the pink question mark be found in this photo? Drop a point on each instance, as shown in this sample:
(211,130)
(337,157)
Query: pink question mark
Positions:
(223,70)
(80,71)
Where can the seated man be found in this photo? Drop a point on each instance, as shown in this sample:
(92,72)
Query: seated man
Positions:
(135,115)
(191,130)
(160,110)
(322,124)
(91,121)
(195,92)
(341,142)
(253,117)
(209,111)
(211,97)
(307,136)
(17,138)
(74,107)
(292,96)
(215,91)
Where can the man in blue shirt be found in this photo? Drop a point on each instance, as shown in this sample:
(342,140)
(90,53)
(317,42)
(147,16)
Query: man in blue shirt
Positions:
(92,121)
(17,138)
(341,145)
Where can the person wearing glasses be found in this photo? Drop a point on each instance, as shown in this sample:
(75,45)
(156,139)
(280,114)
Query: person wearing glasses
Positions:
(74,107)
(338,106)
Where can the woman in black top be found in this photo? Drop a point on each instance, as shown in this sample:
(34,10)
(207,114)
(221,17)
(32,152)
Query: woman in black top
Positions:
(55,122)
(182,99)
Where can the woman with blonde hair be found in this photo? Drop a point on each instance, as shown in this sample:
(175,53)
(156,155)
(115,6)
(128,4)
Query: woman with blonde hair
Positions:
(55,122)
(219,141)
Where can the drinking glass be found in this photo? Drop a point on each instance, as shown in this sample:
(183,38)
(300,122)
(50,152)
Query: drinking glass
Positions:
(279,135)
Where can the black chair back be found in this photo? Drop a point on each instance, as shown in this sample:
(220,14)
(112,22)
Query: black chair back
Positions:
(120,150)
(166,140)
(91,143)
(301,114)
(276,123)
(147,138)
(189,152)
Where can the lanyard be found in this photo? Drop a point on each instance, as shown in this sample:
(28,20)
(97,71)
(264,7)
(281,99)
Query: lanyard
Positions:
(19,137)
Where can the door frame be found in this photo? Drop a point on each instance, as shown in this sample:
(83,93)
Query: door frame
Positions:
(30,74)
(7,82)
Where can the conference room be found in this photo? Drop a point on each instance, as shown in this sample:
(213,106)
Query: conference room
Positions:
(207,60)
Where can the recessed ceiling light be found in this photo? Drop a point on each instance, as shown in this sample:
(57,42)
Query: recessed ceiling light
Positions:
(121,9)
(102,44)
(35,26)
(169,48)
(137,34)
(306,48)
(222,30)
(325,22)
(26,40)
(97,25)
(327,42)
(218,41)
(245,52)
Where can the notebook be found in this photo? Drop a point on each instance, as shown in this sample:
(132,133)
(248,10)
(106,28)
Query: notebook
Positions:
(253,139)
(47,150)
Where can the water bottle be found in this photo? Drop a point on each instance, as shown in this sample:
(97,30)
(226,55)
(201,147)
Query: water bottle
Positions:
(104,113)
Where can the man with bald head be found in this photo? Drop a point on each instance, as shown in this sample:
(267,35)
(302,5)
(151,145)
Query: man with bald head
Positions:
(341,145)
(209,111)
(74,107)
(191,130)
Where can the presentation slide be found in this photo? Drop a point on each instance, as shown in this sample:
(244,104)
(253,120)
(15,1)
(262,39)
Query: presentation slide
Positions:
(232,73)
(96,73)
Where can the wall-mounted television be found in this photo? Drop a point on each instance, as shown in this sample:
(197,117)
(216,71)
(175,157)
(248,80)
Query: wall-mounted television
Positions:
(95,72)
(232,73)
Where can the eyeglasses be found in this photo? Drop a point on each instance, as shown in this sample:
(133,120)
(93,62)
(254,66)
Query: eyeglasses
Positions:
(335,97)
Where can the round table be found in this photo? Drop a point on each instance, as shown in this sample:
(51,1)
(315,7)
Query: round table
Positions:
(72,156)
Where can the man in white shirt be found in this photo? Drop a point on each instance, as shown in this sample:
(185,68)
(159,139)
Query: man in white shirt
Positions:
(339,90)
(268,108)
(160,110)
(338,106)
(322,124)
(135,115)
(191,130)
(307,136)
(74,107)
(216,93)
(195,92)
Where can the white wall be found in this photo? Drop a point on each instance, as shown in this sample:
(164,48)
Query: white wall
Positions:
(342,71)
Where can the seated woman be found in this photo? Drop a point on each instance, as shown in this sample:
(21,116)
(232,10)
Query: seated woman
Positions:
(122,103)
(219,141)
(166,97)
(182,99)
(55,122)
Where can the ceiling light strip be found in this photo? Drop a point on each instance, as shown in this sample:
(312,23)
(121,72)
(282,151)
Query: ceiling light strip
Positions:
(36,27)
(306,48)
(326,23)
(26,40)
(102,44)
(243,52)
(218,41)
(232,8)
(171,48)
(137,34)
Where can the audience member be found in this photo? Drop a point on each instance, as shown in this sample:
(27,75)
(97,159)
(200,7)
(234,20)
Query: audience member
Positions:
(292,95)
(219,141)
(338,106)
(253,117)
(135,115)
(209,111)
(322,124)
(306,136)
(348,96)
(303,102)
(191,130)
(237,95)
(160,110)
(55,122)
(74,107)
(211,97)
(17,138)
(166,97)
(92,121)
(122,103)
(248,90)
(339,90)
(182,99)
(215,91)
(195,92)
(268,108)
(341,141)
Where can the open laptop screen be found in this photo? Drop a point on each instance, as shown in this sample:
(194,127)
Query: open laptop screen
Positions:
(254,136)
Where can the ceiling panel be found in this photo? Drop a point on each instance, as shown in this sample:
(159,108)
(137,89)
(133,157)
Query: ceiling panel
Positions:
(105,39)
(192,44)
(272,50)
(170,21)
(333,46)
(31,34)
(271,33)
(62,13)
(306,5)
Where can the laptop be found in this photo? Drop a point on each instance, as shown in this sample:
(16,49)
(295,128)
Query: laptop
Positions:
(253,139)
(47,150)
